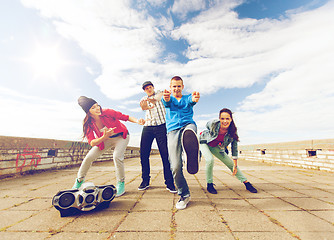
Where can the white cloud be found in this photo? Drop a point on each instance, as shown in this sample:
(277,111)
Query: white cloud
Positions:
(183,7)
(224,50)
(29,116)
(124,41)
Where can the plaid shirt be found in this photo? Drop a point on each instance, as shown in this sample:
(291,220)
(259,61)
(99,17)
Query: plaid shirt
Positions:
(157,115)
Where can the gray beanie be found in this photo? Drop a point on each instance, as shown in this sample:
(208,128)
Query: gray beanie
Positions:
(86,103)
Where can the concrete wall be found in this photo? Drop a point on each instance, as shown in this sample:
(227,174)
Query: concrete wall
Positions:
(29,155)
(313,154)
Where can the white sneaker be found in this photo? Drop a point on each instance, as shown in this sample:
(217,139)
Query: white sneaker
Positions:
(182,203)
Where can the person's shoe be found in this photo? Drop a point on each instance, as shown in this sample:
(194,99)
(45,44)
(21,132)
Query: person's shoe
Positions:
(182,203)
(144,184)
(250,187)
(78,184)
(171,188)
(190,145)
(120,189)
(211,189)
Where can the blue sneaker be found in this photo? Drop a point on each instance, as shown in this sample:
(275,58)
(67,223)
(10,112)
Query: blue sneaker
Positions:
(78,184)
(120,189)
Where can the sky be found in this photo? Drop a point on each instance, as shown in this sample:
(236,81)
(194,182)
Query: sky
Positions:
(270,62)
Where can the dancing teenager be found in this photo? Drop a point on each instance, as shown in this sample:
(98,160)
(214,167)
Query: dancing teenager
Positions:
(154,128)
(214,141)
(103,130)
(181,135)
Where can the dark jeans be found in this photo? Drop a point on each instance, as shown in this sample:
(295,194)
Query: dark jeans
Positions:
(159,133)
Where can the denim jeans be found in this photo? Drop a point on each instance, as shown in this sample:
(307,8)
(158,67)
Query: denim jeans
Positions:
(175,158)
(119,144)
(159,133)
(208,153)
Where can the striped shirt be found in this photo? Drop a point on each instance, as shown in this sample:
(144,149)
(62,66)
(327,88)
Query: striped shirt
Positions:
(157,115)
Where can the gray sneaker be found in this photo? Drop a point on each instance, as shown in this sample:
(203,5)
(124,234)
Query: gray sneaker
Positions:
(190,145)
(182,203)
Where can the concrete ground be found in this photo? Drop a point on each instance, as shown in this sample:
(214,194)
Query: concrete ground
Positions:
(291,203)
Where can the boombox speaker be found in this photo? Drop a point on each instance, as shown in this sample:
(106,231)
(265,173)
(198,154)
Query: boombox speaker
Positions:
(86,198)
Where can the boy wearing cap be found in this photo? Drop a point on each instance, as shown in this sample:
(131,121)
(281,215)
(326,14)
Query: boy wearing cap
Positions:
(181,135)
(154,128)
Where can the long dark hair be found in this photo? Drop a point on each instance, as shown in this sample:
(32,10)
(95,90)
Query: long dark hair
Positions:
(86,122)
(232,129)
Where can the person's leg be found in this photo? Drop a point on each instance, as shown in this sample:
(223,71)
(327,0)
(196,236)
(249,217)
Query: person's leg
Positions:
(120,146)
(224,158)
(209,162)
(118,156)
(146,141)
(229,163)
(190,145)
(175,151)
(160,133)
(92,155)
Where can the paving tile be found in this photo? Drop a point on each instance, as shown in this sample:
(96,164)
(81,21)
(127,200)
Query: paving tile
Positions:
(23,235)
(272,204)
(315,235)
(249,221)
(154,205)
(47,220)
(285,193)
(34,204)
(198,221)
(9,202)
(26,211)
(301,221)
(317,193)
(140,235)
(223,192)
(232,204)
(281,235)
(196,204)
(327,214)
(147,221)
(79,235)
(96,221)
(9,218)
(310,203)
(203,235)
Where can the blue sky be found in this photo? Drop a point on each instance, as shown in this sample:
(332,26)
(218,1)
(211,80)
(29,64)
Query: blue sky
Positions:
(270,62)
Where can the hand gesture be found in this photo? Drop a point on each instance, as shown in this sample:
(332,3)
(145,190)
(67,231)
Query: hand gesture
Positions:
(166,95)
(141,121)
(107,132)
(144,105)
(195,96)
(152,100)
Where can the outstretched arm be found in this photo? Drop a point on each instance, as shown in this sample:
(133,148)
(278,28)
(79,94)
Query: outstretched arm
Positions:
(140,121)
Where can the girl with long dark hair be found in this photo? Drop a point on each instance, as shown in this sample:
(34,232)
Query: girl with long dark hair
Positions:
(214,141)
(103,130)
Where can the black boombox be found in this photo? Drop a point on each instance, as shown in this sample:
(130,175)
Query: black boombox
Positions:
(86,198)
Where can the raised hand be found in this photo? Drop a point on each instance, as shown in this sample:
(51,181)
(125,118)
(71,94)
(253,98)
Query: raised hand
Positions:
(195,96)
(107,132)
(166,95)
(144,104)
